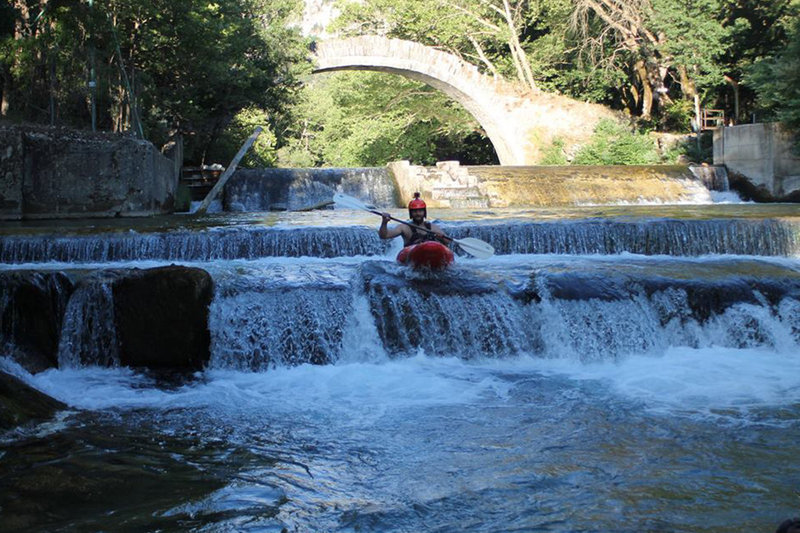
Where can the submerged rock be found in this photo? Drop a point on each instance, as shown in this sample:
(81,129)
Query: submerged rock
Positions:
(20,403)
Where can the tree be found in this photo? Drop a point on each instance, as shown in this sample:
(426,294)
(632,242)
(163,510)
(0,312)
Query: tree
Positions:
(662,60)
(758,30)
(369,119)
(489,33)
(162,66)
(664,43)
(776,81)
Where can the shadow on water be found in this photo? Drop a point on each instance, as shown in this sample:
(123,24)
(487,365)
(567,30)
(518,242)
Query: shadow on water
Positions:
(107,472)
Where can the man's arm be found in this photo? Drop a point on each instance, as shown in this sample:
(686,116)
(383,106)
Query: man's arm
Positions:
(440,236)
(385,232)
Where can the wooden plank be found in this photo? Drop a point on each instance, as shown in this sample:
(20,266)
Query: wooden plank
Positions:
(228,172)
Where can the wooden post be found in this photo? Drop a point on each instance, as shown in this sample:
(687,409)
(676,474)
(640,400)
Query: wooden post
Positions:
(228,172)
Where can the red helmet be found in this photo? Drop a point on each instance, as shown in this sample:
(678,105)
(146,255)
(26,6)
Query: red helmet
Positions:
(417,203)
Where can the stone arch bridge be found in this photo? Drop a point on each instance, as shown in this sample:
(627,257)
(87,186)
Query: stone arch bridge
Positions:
(518,124)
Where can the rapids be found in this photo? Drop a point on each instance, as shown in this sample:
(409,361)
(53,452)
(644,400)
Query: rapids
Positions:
(612,368)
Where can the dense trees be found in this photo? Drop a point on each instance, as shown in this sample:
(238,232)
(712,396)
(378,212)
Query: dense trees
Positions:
(661,61)
(159,67)
(211,70)
(368,119)
(642,55)
(776,80)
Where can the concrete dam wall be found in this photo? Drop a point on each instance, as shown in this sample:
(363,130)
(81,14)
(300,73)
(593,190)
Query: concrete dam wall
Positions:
(60,173)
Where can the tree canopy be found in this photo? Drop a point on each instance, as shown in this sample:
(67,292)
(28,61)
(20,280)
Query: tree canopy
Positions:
(159,67)
(641,55)
(211,70)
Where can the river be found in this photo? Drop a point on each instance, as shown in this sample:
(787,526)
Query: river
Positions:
(612,368)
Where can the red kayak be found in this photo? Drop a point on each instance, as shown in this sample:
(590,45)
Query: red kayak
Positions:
(428,254)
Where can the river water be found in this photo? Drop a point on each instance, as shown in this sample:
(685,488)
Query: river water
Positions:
(622,368)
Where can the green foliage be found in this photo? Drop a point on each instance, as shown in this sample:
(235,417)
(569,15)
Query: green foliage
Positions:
(677,116)
(776,81)
(757,30)
(554,154)
(692,39)
(210,70)
(475,30)
(698,149)
(261,154)
(370,119)
(613,144)
(162,66)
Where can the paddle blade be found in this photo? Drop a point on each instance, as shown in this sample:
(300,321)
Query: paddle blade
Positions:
(475,247)
(349,202)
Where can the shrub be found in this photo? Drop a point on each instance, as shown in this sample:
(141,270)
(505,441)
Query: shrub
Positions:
(554,154)
(261,154)
(613,144)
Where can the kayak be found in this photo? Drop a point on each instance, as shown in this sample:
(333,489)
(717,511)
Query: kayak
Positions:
(428,254)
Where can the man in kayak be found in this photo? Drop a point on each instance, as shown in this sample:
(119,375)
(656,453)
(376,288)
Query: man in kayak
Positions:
(417,212)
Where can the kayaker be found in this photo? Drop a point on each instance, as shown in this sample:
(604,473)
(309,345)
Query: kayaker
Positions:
(417,212)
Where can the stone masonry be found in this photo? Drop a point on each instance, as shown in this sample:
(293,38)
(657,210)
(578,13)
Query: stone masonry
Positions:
(518,123)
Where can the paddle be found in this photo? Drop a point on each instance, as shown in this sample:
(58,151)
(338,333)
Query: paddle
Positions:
(474,247)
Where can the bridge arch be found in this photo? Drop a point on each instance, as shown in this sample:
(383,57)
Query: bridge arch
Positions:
(518,124)
(483,97)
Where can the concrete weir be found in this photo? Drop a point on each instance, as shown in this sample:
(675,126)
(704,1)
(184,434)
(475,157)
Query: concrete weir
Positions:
(449,184)
(761,158)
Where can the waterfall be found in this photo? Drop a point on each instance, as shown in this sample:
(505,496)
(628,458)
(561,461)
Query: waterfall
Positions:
(89,334)
(773,237)
(31,305)
(261,329)
(714,177)
(585,289)
(741,236)
(212,244)
(543,312)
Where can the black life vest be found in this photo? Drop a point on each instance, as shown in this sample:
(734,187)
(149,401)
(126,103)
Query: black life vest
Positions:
(420,236)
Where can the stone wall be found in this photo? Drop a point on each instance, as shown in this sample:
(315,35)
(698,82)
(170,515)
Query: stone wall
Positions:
(760,161)
(60,173)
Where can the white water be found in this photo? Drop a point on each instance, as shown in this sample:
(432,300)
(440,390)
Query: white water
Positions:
(683,382)
(424,443)
(687,434)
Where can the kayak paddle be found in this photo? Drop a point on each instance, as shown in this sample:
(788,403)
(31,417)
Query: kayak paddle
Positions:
(474,247)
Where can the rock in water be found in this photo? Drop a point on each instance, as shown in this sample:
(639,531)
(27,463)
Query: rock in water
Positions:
(31,312)
(162,317)
(20,403)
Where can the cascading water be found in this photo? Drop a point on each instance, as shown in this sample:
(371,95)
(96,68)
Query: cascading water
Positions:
(607,370)
(88,334)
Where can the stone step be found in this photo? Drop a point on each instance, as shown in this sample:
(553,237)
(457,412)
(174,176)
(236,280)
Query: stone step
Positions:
(460,197)
(463,203)
(450,193)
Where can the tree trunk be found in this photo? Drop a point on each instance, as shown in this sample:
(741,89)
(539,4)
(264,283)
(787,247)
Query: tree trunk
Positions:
(689,90)
(647,90)
(5,90)
(735,86)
